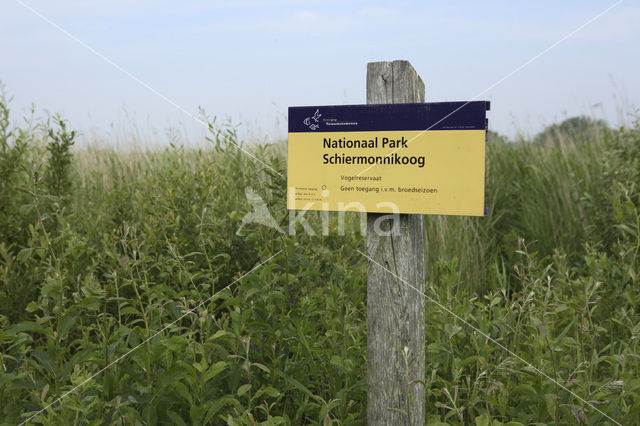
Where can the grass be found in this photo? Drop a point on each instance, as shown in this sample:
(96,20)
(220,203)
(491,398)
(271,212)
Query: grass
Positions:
(99,253)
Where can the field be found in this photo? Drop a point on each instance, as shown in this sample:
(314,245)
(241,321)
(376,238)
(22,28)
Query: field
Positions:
(101,250)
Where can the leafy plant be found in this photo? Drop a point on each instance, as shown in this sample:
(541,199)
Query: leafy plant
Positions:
(128,288)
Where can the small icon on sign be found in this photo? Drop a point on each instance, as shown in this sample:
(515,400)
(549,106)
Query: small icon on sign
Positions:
(313,122)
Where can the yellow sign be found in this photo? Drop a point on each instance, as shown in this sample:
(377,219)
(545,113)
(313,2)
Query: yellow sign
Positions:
(352,159)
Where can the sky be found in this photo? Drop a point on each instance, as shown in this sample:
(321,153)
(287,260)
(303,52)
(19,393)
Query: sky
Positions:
(120,70)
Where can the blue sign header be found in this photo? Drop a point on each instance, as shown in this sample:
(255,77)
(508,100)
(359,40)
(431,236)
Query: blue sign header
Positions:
(383,117)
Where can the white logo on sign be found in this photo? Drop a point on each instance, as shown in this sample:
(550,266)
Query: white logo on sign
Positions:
(313,122)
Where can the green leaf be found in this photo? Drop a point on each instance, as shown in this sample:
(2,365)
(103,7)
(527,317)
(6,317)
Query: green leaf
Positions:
(525,389)
(272,392)
(172,375)
(469,360)
(24,254)
(327,408)
(66,323)
(176,419)
(177,344)
(213,407)
(482,420)
(296,384)
(28,326)
(305,344)
(244,389)
(45,361)
(551,402)
(32,307)
(214,370)
(183,392)
(130,310)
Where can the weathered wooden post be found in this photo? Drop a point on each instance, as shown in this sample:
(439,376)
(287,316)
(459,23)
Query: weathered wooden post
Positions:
(395,312)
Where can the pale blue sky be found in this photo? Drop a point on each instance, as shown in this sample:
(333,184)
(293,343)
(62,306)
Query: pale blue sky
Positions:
(250,60)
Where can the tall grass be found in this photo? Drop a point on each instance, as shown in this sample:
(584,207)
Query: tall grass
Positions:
(534,191)
(96,262)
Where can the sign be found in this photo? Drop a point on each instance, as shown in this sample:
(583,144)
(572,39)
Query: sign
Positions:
(426,158)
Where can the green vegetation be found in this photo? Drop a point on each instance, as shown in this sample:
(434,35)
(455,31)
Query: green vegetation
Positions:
(101,250)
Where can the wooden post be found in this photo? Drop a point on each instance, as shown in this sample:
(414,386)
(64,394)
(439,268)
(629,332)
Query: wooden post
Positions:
(395,312)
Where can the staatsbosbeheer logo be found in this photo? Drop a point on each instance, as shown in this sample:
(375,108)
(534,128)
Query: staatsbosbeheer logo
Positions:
(313,122)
